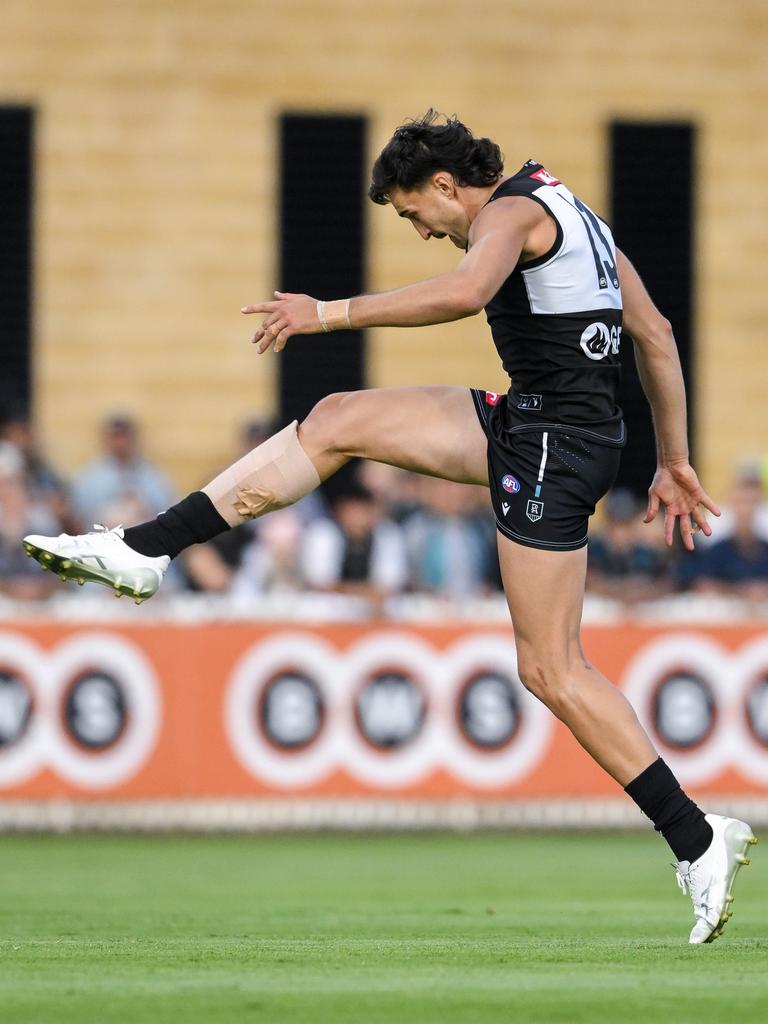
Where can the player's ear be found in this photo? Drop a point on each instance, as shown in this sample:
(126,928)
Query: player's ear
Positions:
(443,181)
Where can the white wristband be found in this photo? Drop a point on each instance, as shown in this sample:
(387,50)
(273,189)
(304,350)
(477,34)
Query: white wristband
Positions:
(321,317)
(334,316)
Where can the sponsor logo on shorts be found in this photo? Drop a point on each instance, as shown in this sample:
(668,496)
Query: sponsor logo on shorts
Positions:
(546,177)
(598,340)
(510,483)
(529,402)
(505,507)
(534,510)
(492,397)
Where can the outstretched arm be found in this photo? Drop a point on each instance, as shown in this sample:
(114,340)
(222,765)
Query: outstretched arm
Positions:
(675,484)
(498,238)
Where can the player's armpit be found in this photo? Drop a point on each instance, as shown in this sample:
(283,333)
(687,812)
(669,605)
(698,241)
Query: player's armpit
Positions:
(499,235)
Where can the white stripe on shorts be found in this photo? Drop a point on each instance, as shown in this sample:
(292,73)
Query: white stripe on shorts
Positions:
(544,438)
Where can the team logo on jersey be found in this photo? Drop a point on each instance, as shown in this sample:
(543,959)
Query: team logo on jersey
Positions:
(492,397)
(510,483)
(598,340)
(534,510)
(545,176)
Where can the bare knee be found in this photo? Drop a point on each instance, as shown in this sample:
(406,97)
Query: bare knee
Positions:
(554,680)
(327,428)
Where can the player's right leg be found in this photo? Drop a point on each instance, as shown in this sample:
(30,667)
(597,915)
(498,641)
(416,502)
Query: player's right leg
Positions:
(432,430)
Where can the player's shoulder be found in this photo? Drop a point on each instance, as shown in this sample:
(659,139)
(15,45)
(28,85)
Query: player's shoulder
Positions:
(513,203)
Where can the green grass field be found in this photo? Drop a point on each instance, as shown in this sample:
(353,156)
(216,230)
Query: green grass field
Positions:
(325,928)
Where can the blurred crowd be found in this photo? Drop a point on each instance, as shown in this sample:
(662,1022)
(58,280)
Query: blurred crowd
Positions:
(372,534)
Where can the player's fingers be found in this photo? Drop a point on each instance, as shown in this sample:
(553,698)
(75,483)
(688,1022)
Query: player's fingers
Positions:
(261,307)
(653,507)
(270,334)
(687,531)
(705,500)
(282,338)
(670,518)
(266,327)
(700,521)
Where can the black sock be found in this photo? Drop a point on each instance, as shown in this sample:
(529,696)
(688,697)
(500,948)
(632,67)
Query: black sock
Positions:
(657,793)
(192,521)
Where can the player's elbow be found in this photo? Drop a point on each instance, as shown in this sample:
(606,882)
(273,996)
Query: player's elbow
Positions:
(468,298)
(662,331)
(656,335)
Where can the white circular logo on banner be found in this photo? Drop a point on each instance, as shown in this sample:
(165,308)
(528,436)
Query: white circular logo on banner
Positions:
(703,705)
(529,735)
(89,709)
(250,721)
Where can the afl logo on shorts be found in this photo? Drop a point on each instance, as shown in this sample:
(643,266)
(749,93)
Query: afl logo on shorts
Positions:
(510,484)
(492,397)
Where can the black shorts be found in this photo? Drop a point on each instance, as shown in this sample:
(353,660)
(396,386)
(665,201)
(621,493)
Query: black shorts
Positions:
(544,483)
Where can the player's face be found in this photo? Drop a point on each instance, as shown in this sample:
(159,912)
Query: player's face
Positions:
(434,210)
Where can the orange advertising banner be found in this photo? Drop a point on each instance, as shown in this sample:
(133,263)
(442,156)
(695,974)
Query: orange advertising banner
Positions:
(228,710)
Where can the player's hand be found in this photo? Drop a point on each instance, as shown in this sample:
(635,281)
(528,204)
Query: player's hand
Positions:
(677,488)
(286,315)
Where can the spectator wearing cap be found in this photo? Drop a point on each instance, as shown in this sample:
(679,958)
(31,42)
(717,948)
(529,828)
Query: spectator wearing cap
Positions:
(21,513)
(121,485)
(626,560)
(737,565)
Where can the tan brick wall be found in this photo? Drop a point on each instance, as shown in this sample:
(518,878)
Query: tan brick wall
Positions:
(156,184)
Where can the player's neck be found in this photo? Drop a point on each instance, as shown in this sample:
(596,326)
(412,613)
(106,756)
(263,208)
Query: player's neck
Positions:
(474,199)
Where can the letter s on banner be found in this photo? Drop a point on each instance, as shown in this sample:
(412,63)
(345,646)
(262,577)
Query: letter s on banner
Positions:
(496,656)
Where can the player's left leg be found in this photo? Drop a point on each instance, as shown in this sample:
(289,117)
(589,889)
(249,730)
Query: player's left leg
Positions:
(545,594)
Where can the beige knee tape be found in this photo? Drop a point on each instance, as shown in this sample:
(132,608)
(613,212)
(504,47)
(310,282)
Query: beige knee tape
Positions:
(274,475)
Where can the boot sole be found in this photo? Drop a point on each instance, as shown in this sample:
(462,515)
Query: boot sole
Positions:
(140,584)
(742,844)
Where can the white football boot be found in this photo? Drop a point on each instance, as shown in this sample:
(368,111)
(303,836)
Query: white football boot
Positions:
(709,880)
(99,557)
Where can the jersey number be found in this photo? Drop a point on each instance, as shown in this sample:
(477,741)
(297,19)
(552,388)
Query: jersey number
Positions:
(604,265)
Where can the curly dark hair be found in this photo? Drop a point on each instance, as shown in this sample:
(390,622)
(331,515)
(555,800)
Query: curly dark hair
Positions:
(421,147)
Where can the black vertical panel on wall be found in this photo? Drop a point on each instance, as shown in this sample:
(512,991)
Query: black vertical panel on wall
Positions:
(653,208)
(322,249)
(16,136)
